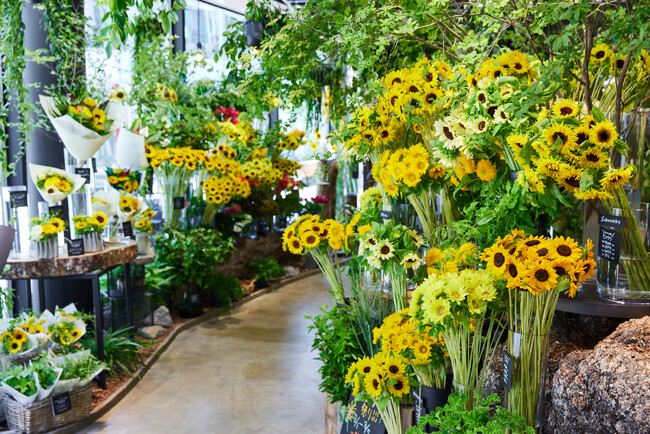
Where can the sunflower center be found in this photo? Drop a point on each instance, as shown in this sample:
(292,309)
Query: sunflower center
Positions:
(414,89)
(396,80)
(399,385)
(599,54)
(431,97)
(566,111)
(559,135)
(593,158)
(384,133)
(542,275)
(542,252)
(512,270)
(573,181)
(481,125)
(518,66)
(531,243)
(499,259)
(366,369)
(393,100)
(440,310)
(481,97)
(586,267)
(310,239)
(564,250)
(429,77)
(581,137)
(393,369)
(296,244)
(414,103)
(497,73)
(447,132)
(372,241)
(385,250)
(603,136)
(492,110)
(560,271)
(620,63)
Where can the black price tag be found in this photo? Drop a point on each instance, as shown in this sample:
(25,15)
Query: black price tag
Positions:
(384,214)
(513,175)
(18,198)
(362,417)
(76,247)
(84,172)
(179,202)
(611,221)
(127,228)
(93,162)
(56,211)
(609,245)
(194,299)
(507,371)
(61,403)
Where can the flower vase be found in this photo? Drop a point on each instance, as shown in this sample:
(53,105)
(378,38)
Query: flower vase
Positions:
(93,242)
(144,244)
(525,364)
(47,249)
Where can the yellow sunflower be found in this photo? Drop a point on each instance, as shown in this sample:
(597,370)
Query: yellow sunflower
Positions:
(310,240)
(399,386)
(565,248)
(564,109)
(496,258)
(559,133)
(485,170)
(603,134)
(540,276)
(616,177)
(594,158)
(600,53)
(373,385)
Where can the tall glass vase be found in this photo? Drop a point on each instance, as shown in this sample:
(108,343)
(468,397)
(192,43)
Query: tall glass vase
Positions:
(525,365)
(173,186)
(633,133)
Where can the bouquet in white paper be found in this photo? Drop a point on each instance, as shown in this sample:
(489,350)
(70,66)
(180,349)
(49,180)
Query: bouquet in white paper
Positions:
(84,125)
(106,202)
(130,150)
(130,206)
(66,328)
(54,184)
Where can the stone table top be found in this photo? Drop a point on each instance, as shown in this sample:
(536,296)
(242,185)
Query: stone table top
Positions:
(589,303)
(61,266)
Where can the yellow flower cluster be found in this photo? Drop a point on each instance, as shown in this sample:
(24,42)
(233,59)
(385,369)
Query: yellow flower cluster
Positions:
(220,190)
(66,331)
(261,171)
(14,341)
(286,166)
(178,157)
(402,168)
(310,232)
(291,141)
(129,205)
(537,264)
(464,293)
(166,92)
(89,114)
(565,151)
(370,198)
(450,260)
(510,63)
(385,374)
(85,225)
(242,131)
(46,227)
(54,183)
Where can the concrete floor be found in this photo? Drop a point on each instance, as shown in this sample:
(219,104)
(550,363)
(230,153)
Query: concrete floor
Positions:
(248,372)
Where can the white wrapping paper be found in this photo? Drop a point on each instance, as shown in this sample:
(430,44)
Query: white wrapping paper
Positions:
(19,397)
(130,150)
(37,171)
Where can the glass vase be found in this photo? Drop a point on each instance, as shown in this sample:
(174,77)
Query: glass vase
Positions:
(525,365)
(628,280)
(16,216)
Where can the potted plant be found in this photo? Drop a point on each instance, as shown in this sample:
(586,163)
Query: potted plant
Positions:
(90,229)
(264,270)
(44,231)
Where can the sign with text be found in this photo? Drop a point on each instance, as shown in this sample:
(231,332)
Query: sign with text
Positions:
(611,221)
(179,202)
(76,247)
(507,371)
(384,214)
(18,198)
(84,172)
(61,403)
(127,228)
(362,418)
(609,245)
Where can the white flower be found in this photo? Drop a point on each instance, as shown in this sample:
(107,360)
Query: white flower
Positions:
(36,233)
(385,249)
(480,124)
(500,116)
(412,260)
(506,91)
(484,83)
(374,261)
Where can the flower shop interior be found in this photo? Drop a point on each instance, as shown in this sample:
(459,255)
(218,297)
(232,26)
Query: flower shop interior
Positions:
(324,216)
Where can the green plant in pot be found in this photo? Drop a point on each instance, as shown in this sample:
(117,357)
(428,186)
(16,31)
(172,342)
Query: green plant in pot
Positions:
(264,270)
(224,289)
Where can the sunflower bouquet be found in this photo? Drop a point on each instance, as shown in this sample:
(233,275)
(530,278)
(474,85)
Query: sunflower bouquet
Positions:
(66,329)
(16,342)
(464,308)
(393,249)
(427,355)
(143,222)
(54,184)
(123,179)
(382,380)
(88,225)
(451,259)
(129,206)
(45,228)
(311,235)
(535,270)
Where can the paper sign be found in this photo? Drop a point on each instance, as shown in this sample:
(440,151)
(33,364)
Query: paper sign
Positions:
(84,172)
(609,245)
(61,403)
(384,214)
(362,418)
(127,228)
(18,198)
(76,247)
(179,202)
(507,371)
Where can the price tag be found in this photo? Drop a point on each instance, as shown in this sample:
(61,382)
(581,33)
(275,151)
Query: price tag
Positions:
(611,221)
(84,172)
(507,371)
(93,162)
(61,403)
(18,198)
(179,202)
(513,175)
(127,228)
(384,214)
(609,245)
(76,247)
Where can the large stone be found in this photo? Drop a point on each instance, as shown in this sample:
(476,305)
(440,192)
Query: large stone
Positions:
(162,317)
(605,390)
(152,332)
(292,271)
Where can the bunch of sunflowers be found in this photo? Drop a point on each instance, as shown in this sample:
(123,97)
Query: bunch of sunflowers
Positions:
(15,341)
(310,232)
(166,93)
(143,223)
(66,329)
(451,259)
(221,190)
(123,179)
(53,183)
(86,225)
(45,228)
(185,157)
(88,112)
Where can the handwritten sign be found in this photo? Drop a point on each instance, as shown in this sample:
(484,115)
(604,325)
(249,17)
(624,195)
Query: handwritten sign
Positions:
(127,228)
(609,245)
(362,418)
(179,202)
(84,172)
(61,403)
(611,221)
(384,214)
(18,198)
(507,371)
(76,247)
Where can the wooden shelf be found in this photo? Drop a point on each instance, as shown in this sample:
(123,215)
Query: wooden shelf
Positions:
(589,303)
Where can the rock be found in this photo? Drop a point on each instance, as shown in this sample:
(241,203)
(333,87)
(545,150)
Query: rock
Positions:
(152,332)
(605,390)
(292,271)
(161,317)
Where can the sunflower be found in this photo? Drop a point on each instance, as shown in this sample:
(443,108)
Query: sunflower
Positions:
(517,141)
(49,228)
(411,261)
(569,177)
(485,170)
(603,134)
(437,171)
(294,245)
(422,351)
(117,94)
(593,158)
(565,248)
(616,177)
(518,62)
(14,347)
(559,133)
(102,219)
(513,272)
(395,366)
(373,385)
(539,277)
(99,116)
(76,334)
(495,257)
(19,335)
(600,53)
(385,249)
(485,292)
(310,240)
(58,223)
(564,109)
(399,386)
(436,309)
(563,266)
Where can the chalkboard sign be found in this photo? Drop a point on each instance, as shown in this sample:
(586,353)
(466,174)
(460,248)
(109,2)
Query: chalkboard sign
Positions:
(18,198)
(179,202)
(384,214)
(76,247)
(609,245)
(507,371)
(362,418)
(93,162)
(61,403)
(611,221)
(84,172)
(56,210)
(127,228)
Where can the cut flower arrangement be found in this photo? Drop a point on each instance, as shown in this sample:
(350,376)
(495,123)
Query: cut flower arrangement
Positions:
(123,179)
(46,227)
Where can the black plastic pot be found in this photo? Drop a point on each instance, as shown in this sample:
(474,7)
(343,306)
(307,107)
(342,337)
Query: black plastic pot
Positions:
(191,307)
(261,283)
(428,399)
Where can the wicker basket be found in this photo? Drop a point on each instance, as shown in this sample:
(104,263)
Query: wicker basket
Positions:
(39,417)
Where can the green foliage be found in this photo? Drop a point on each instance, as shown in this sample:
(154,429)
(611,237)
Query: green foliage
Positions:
(337,345)
(121,353)
(46,374)
(225,289)
(81,368)
(25,384)
(453,417)
(159,281)
(265,269)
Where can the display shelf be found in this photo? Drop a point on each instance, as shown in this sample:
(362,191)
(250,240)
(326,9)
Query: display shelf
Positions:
(590,304)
